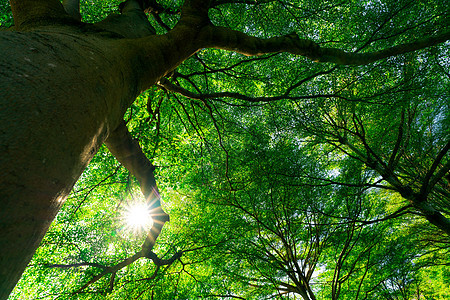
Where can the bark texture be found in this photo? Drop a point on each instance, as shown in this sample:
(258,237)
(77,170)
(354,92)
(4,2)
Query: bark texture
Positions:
(57,108)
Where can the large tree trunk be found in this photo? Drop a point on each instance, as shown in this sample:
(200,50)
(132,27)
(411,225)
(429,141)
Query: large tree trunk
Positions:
(61,95)
(63,89)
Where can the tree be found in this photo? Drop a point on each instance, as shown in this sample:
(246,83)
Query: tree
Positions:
(56,68)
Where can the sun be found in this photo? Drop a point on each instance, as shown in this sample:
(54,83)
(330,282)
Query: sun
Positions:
(137,217)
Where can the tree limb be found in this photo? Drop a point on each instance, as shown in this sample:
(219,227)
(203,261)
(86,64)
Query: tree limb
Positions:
(27,12)
(427,185)
(113,269)
(72,7)
(162,262)
(417,199)
(128,261)
(227,39)
(128,152)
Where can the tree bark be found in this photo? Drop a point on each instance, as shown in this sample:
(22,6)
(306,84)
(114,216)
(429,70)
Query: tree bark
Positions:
(61,95)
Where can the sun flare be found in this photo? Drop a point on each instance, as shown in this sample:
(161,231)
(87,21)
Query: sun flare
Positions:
(137,217)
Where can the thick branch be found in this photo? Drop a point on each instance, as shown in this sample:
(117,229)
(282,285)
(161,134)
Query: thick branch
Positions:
(418,200)
(131,23)
(128,152)
(31,12)
(128,261)
(427,186)
(444,171)
(197,9)
(113,269)
(433,216)
(163,262)
(72,7)
(232,40)
(152,6)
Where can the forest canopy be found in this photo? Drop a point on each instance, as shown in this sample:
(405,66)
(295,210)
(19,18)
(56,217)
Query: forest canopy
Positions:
(285,176)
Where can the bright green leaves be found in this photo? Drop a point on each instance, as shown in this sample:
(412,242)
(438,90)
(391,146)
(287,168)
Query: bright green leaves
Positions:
(6,19)
(94,11)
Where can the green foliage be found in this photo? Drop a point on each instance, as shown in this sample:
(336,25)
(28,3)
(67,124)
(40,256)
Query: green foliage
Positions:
(271,191)
(94,11)
(6,19)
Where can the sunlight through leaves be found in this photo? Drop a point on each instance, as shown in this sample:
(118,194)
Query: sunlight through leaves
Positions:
(136,217)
